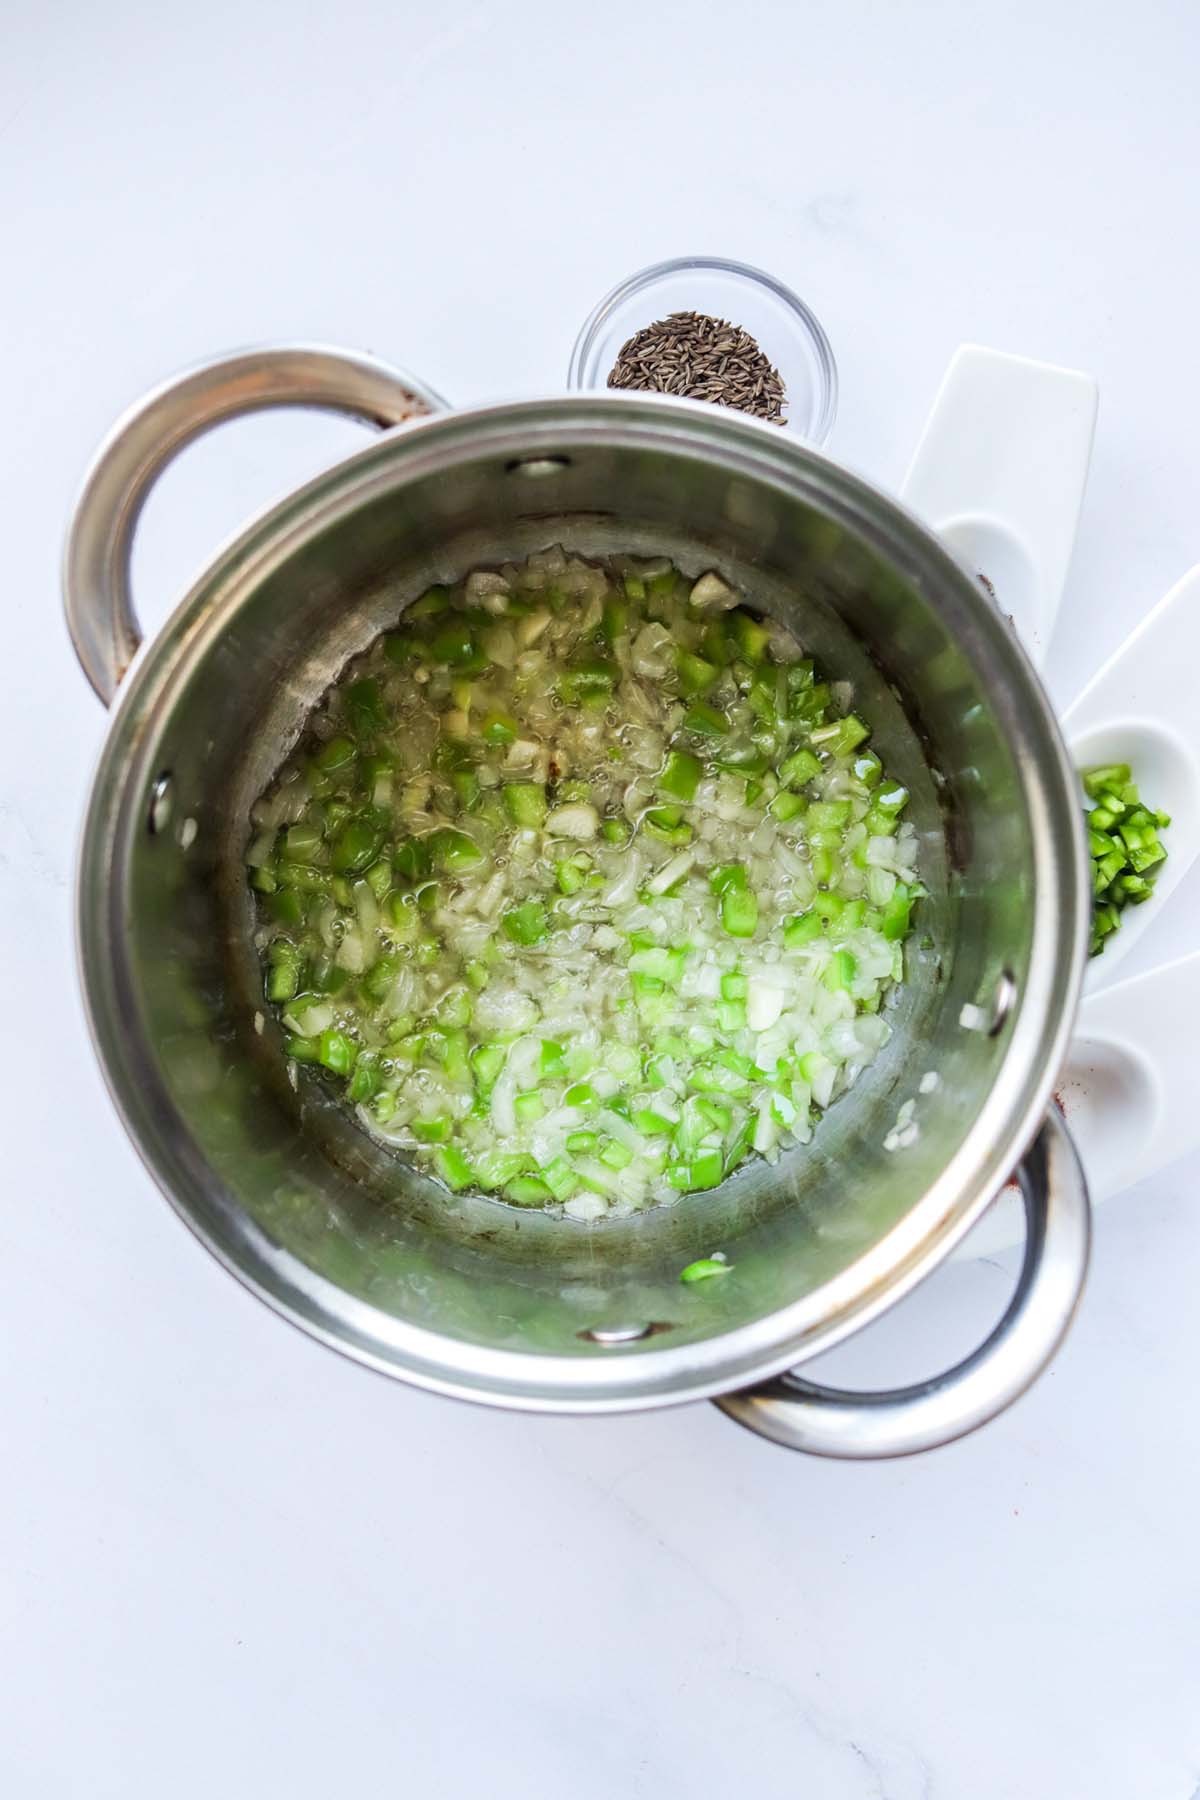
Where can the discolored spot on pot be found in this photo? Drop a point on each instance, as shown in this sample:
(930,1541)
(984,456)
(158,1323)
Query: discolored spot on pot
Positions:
(623,1334)
(535,467)
(158,816)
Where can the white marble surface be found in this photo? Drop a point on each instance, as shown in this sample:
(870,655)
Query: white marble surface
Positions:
(234,1563)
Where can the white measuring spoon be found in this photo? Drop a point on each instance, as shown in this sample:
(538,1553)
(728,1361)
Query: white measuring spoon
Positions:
(1142,708)
(1129,1088)
(1007,501)
(1009,504)
(1011,507)
(1128,1091)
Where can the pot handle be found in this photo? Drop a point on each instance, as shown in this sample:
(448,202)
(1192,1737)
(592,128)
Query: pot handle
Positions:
(802,1415)
(1000,472)
(96,567)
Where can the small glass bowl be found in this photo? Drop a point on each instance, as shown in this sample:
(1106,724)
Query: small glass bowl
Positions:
(789,334)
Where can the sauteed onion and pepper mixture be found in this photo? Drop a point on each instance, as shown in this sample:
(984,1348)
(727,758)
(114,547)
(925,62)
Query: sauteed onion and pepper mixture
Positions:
(584,885)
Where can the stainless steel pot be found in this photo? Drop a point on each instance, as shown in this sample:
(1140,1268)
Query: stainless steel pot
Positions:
(465,1296)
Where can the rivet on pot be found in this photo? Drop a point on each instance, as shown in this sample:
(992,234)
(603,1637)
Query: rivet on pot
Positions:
(535,466)
(616,1334)
(159,815)
(1004,998)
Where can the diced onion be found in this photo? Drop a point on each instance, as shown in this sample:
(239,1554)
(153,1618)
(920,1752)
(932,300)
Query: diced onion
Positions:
(584,925)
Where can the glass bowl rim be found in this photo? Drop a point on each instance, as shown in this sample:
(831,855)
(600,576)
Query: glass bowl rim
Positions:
(806,321)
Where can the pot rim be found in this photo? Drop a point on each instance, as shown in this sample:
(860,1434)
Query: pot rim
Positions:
(632,1376)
